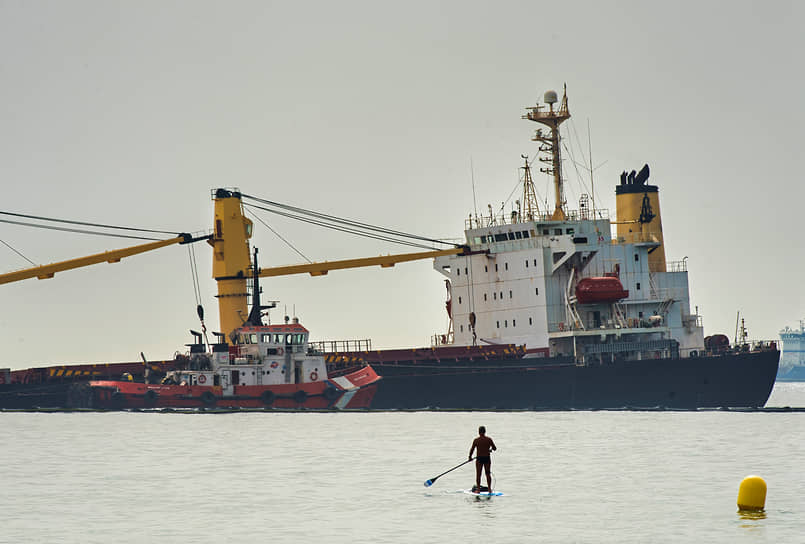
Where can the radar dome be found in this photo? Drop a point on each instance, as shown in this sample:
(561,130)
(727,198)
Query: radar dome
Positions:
(550,97)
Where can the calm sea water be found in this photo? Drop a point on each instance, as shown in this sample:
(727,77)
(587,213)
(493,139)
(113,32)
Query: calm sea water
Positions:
(358,477)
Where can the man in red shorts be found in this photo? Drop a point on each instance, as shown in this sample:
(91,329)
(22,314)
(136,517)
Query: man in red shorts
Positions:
(484,445)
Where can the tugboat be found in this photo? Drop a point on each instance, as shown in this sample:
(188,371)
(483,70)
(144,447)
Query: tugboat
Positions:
(263,366)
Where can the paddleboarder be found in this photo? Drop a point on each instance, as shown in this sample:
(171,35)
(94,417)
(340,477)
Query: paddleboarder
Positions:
(484,445)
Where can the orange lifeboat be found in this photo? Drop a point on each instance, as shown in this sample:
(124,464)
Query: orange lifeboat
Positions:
(597,290)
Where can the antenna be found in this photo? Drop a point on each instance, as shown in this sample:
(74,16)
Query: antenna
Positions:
(472,176)
(590,154)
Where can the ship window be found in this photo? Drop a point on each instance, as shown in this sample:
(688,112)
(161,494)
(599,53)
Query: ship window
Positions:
(277,338)
(501,295)
(465,270)
(497,323)
(459,300)
(486,268)
(636,257)
(510,293)
(253,338)
(501,237)
(525,234)
(506,266)
(219,229)
(506,324)
(483,239)
(511,236)
(518,235)
(569,231)
(458,271)
(545,232)
(557,231)
(496,267)
(638,286)
(514,322)
(484,296)
(529,321)
(462,328)
(266,339)
(535,262)
(495,295)
(526,263)
(537,291)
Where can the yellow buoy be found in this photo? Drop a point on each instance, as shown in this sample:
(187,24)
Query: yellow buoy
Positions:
(752,494)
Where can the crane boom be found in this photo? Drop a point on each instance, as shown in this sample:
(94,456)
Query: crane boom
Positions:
(384,261)
(114,256)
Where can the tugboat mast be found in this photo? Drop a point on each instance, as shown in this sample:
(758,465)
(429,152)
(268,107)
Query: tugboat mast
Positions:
(550,144)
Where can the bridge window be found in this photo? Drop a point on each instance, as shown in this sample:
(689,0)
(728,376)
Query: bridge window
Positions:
(638,286)
(636,257)
(459,300)
(557,232)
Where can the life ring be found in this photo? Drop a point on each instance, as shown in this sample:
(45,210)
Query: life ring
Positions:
(279,351)
(300,396)
(314,376)
(151,396)
(267,397)
(274,364)
(207,397)
(331,393)
(202,378)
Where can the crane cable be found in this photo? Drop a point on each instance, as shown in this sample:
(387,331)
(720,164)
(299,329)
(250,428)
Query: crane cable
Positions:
(82,223)
(344,225)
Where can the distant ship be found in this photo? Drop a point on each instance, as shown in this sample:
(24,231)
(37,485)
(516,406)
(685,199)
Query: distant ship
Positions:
(792,360)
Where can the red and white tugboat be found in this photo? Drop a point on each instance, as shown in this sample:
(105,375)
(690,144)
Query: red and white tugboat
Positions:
(264,366)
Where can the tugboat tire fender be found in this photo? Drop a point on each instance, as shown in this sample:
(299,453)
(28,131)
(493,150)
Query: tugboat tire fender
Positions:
(207,397)
(267,397)
(300,396)
(331,393)
(151,395)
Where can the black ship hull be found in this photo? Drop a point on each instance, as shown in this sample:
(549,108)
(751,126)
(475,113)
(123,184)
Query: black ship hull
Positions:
(729,380)
(513,382)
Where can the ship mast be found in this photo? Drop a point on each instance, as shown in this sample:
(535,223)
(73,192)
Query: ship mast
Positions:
(530,205)
(550,144)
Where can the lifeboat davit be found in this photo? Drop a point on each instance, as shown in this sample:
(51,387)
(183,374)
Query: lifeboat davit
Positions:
(597,290)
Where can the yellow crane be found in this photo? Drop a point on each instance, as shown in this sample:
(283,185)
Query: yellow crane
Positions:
(231,263)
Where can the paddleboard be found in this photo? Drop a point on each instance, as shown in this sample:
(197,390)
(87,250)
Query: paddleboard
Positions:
(483,493)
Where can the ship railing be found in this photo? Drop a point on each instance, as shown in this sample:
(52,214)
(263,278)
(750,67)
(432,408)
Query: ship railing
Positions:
(514,218)
(636,238)
(340,346)
(605,326)
(676,266)
(442,340)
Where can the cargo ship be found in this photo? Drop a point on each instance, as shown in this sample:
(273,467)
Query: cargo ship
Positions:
(548,309)
(792,359)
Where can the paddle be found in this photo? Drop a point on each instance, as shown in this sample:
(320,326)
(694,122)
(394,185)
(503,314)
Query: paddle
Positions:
(429,483)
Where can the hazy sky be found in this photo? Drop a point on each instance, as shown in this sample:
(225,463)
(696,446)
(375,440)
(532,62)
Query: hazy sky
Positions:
(131,112)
